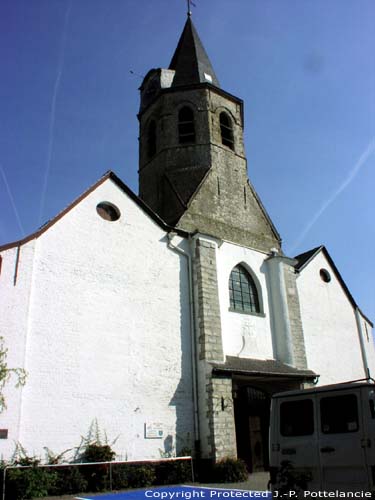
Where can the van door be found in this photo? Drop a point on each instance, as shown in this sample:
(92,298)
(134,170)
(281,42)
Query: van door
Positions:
(368,401)
(297,438)
(341,451)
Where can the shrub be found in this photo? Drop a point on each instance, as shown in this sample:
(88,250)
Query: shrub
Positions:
(97,477)
(140,476)
(230,470)
(33,482)
(173,472)
(120,475)
(69,480)
(95,452)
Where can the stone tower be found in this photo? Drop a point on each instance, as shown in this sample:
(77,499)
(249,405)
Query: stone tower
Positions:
(193,174)
(192,168)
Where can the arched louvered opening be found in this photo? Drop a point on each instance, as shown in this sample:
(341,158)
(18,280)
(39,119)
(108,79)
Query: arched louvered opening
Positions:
(226,129)
(186,126)
(151,139)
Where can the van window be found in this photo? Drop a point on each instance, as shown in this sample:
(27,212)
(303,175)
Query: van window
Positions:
(372,408)
(339,414)
(297,418)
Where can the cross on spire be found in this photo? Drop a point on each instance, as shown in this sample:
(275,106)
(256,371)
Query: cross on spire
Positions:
(189,4)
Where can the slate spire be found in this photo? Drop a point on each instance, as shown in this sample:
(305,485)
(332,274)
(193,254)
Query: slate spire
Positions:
(190,60)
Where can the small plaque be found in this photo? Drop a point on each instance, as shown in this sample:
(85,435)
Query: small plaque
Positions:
(3,433)
(154,430)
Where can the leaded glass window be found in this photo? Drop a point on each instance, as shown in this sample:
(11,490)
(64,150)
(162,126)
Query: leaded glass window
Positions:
(243,292)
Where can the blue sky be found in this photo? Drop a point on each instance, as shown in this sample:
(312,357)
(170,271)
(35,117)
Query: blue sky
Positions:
(305,69)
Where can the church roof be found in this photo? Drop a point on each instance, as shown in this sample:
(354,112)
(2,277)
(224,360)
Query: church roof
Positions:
(305,258)
(120,184)
(190,60)
(262,367)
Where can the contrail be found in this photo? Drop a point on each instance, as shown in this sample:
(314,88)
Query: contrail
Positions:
(53,111)
(12,201)
(352,174)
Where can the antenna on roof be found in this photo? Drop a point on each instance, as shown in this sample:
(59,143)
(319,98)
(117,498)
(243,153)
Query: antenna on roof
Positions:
(189,3)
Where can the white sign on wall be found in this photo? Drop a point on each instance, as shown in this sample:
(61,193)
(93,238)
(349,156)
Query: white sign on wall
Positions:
(154,430)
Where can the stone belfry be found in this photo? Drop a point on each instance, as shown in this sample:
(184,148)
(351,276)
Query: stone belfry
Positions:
(192,166)
(193,174)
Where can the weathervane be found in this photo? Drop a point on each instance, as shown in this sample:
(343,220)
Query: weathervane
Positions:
(189,3)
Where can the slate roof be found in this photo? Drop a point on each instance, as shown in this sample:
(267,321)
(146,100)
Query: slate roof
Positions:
(190,60)
(262,367)
(304,258)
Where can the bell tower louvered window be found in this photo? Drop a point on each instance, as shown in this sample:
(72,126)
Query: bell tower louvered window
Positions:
(186,126)
(243,292)
(226,129)
(151,139)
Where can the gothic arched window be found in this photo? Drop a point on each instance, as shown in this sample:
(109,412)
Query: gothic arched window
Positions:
(186,125)
(226,129)
(243,292)
(151,139)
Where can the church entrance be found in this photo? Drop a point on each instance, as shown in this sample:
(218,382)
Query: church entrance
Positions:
(252,417)
(252,406)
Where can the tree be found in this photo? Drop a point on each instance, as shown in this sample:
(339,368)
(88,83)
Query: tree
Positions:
(6,373)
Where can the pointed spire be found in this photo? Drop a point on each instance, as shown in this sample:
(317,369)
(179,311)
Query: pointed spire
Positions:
(190,60)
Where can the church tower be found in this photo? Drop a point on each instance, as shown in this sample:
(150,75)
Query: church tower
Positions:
(192,166)
(193,174)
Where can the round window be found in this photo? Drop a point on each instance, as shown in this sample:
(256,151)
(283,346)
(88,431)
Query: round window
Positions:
(324,274)
(108,211)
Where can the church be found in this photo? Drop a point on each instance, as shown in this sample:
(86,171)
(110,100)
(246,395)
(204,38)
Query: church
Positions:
(172,316)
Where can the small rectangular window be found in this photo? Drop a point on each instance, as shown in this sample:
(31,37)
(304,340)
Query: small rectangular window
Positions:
(297,418)
(339,414)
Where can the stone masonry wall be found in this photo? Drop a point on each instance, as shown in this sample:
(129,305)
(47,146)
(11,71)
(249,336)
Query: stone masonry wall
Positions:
(217,418)
(220,412)
(208,310)
(296,328)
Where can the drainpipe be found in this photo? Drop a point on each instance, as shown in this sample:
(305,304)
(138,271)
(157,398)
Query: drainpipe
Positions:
(280,312)
(362,342)
(187,255)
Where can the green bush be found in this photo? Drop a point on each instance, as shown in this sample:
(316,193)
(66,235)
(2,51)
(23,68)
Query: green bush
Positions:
(120,476)
(95,452)
(97,477)
(173,472)
(230,470)
(69,480)
(141,475)
(33,482)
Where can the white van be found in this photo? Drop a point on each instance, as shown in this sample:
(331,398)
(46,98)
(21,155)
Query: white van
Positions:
(323,439)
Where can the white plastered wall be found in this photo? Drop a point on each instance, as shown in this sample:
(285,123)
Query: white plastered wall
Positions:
(244,335)
(15,286)
(109,333)
(330,329)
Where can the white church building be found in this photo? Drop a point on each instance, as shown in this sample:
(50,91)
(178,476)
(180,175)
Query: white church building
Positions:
(171,317)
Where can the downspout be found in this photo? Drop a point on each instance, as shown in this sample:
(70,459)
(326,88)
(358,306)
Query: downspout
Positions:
(282,335)
(362,342)
(187,255)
